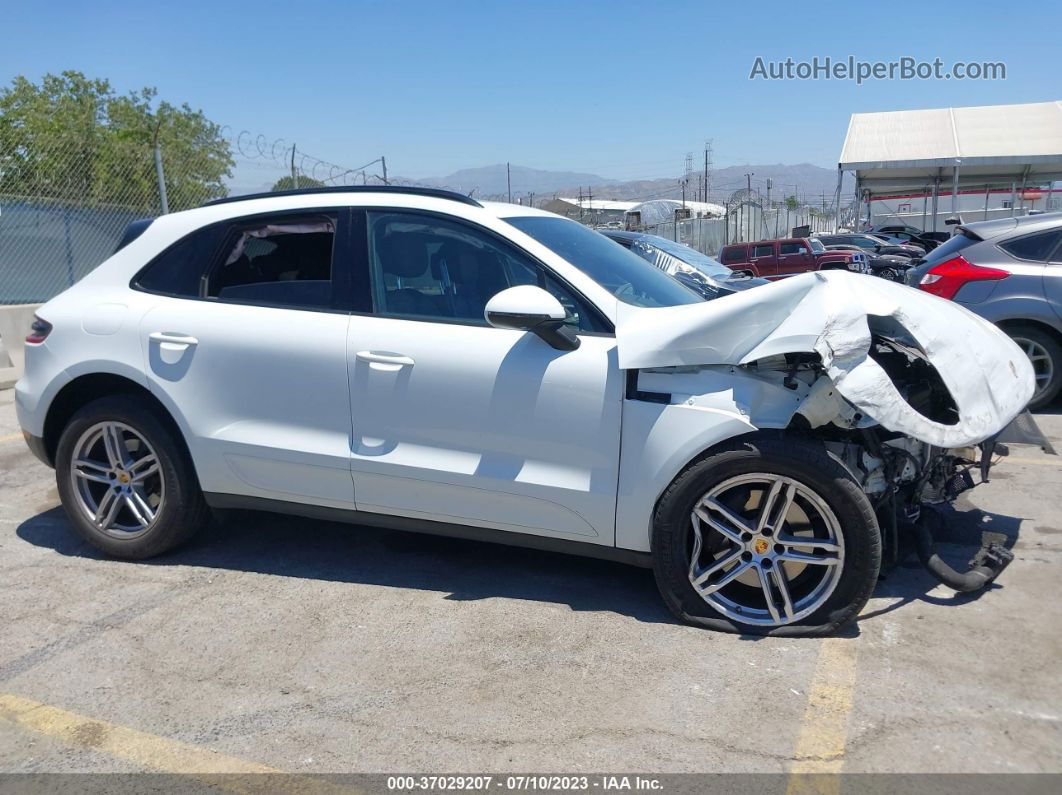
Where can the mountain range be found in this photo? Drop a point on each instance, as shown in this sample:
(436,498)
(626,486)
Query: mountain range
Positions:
(808,181)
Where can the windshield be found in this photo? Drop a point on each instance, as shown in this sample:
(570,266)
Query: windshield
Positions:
(702,262)
(816,246)
(623,273)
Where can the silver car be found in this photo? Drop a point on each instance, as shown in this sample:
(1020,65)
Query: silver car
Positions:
(1008,271)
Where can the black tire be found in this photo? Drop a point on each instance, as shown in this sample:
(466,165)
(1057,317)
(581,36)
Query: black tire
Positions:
(1050,344)
(803,461)
(183,511)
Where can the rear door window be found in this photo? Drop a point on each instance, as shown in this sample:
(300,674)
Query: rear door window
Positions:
(765,250)
(278,262)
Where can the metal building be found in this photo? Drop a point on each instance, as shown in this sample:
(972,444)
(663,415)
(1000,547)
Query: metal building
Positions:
(948,151)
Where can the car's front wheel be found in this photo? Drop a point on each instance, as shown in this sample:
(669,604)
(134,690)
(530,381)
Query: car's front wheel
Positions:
(125,480)
(766,536)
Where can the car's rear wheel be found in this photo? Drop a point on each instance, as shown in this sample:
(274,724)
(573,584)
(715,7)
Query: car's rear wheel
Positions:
(1045,355)
(766,536)
(125,480)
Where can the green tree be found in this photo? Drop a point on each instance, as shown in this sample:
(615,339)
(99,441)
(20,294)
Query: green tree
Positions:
(791,203)
(287,183)
(73,138)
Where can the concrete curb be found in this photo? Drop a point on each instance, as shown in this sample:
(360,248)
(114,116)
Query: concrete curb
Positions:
(8,377)
(15,324)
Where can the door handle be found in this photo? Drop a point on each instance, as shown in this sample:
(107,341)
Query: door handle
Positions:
(172,339)
(394,359)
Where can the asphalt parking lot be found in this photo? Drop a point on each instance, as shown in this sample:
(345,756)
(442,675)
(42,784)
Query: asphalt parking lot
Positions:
(303,646)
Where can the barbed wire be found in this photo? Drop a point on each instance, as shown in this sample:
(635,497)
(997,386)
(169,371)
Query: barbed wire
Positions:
(278,152)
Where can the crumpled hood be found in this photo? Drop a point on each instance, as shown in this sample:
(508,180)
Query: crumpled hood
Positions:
(826,312)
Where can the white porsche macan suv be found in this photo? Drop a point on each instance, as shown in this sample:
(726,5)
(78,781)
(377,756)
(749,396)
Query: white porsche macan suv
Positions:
(412,358)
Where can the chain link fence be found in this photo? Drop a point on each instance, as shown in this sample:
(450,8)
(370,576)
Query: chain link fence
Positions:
(65,202)
(64,206)
(744,223)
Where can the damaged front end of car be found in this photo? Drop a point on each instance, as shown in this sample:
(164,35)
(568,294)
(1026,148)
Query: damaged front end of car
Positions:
(904,478)
(910,395)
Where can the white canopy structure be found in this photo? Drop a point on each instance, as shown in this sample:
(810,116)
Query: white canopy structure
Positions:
(948,149)
(660,211)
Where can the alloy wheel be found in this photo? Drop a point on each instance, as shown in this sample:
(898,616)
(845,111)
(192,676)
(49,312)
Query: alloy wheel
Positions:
(117,480)
(766,549)
(1040,358)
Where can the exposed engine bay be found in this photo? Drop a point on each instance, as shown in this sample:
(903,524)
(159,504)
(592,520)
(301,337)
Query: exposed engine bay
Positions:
(901,476)
(908,391)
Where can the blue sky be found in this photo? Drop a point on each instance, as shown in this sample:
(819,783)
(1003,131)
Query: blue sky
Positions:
(619,89)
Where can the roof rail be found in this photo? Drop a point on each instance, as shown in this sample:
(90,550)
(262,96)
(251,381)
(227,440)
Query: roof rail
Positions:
(436,193)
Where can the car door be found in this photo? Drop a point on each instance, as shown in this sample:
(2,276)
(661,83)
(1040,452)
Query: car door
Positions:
(763,259)
(1053,283)
(456,421)
(794,256)
(247,348)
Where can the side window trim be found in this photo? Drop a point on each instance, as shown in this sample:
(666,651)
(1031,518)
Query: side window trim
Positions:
(364,270)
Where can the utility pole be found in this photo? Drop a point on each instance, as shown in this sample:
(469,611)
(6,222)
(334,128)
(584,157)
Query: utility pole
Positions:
(748,195)
(161,176)
(707,165)
(580,203)
(383,165)
(687,176)
(590,202)
(770,182)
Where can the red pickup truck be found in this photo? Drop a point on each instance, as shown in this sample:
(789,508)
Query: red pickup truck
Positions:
(776,259)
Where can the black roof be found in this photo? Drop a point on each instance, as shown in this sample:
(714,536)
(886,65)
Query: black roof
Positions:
(436,193)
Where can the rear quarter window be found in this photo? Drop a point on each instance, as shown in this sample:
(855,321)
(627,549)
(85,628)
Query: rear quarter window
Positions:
(1037,247)
(177,270)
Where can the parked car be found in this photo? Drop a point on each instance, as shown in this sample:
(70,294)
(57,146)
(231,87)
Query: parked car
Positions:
(891,227)
(925,243)
(411,358)
(709,277)
(886,266)
(872,244)
(912,234)
(777,259)
(1008,271)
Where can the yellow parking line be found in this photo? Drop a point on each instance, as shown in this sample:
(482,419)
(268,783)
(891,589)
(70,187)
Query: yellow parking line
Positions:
(11,437)
(819,752)
(148,750)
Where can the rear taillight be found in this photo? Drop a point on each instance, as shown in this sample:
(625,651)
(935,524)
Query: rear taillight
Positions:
(39,331)
(949,276)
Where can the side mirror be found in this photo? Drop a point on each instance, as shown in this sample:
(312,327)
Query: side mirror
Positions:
(530,308)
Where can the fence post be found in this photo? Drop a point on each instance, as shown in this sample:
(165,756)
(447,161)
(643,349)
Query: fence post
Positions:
(161,177)
(69,245)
